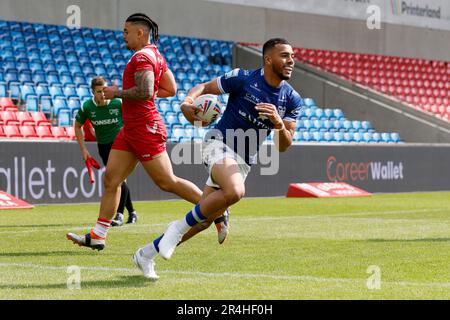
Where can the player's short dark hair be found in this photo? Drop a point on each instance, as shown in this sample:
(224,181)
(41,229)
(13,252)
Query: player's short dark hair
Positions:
(272,43)
(143,19)
(97,81)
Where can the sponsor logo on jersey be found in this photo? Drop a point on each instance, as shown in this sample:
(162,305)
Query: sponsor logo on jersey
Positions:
(114,112)
(281,111)
(232,73)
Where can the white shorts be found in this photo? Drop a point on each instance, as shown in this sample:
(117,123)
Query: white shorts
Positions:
(214,151)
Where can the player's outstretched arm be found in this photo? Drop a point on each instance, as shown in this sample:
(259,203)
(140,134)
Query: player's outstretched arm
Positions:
(80,138)
(187,107)
(167,85)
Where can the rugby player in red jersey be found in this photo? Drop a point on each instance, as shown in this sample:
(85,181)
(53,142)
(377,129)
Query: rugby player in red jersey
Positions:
(143,136)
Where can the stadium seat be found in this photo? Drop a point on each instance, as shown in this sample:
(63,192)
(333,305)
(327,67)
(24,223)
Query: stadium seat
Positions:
(6,103)
(59,133)
(395,137)
(44,132)
(308,102)
(64,118)
(25,118)
(386,137)
(59,104)
(28,131)
(9,118)
(376,137)
(40,119)
(12,131)
(2,89)
(2,132)
(46,105)
(71,132)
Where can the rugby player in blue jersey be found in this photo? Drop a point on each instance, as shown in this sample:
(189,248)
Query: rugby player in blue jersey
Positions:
(260,101)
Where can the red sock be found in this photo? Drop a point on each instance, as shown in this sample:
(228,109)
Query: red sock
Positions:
(101,228)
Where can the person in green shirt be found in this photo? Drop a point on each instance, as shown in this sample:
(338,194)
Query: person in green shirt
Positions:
(106,119)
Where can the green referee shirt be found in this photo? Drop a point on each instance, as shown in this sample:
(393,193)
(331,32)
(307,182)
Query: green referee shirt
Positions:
(106,120)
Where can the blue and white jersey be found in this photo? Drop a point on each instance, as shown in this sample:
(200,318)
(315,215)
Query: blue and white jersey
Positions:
(248,88)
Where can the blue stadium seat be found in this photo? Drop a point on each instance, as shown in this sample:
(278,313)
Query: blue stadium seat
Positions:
(367,137)
(64,118)
(297,136)
(318,125)
(183,121)
(308,102)
(395,137)
(70,92)
(176,106)
(59,104)
(307,114)
(328,126)
(376,137)
(338,114)
(74,104)
(357,137)
(164,106)
(338,136)
(84,92)
(319,114)
(306,136)
(367,126)
(317,136)
(25,91)
(356,126)
(42,90)
(348,136)
(53,79)
(386,137)
(56,91)
(178,133)
(11,77)
(3,90)
(328,136)
(32,104)
(25,78)
(347,125)
(14,90)
(172,119)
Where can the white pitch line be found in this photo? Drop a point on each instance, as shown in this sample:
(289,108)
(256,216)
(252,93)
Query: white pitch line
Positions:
(318,216)
(237,275)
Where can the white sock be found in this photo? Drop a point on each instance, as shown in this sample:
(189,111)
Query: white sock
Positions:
(149,251)
(182,225)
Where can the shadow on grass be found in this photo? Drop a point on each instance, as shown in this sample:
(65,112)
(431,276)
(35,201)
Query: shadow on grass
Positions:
(39,225)
(133,281)
(48,253)
(410,240)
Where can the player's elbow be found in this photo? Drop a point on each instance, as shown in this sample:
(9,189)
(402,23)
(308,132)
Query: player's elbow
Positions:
(172,91)
(284,148)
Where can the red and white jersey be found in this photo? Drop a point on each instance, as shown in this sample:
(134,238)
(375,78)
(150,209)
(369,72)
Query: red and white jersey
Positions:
(141,112)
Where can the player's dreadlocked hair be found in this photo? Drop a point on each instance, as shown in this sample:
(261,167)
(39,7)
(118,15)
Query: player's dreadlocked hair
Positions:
(143,18)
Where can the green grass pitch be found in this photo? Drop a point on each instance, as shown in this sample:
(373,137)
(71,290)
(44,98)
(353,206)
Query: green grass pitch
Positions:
(278,248)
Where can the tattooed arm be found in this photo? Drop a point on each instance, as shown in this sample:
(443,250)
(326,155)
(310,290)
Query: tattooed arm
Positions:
(143,90)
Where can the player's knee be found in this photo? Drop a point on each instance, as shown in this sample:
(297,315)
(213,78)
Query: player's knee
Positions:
(234,194)
(166,184)
(111,183)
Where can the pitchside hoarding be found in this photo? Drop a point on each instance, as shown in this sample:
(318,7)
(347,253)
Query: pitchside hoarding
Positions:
(53,172)
(419,13)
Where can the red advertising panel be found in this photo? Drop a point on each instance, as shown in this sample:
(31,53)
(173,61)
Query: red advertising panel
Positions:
(7,201)
(325,190)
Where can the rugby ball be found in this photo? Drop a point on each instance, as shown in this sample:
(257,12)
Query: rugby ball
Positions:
(211,108)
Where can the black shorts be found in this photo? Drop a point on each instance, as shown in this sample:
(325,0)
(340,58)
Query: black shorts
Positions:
(104,150)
